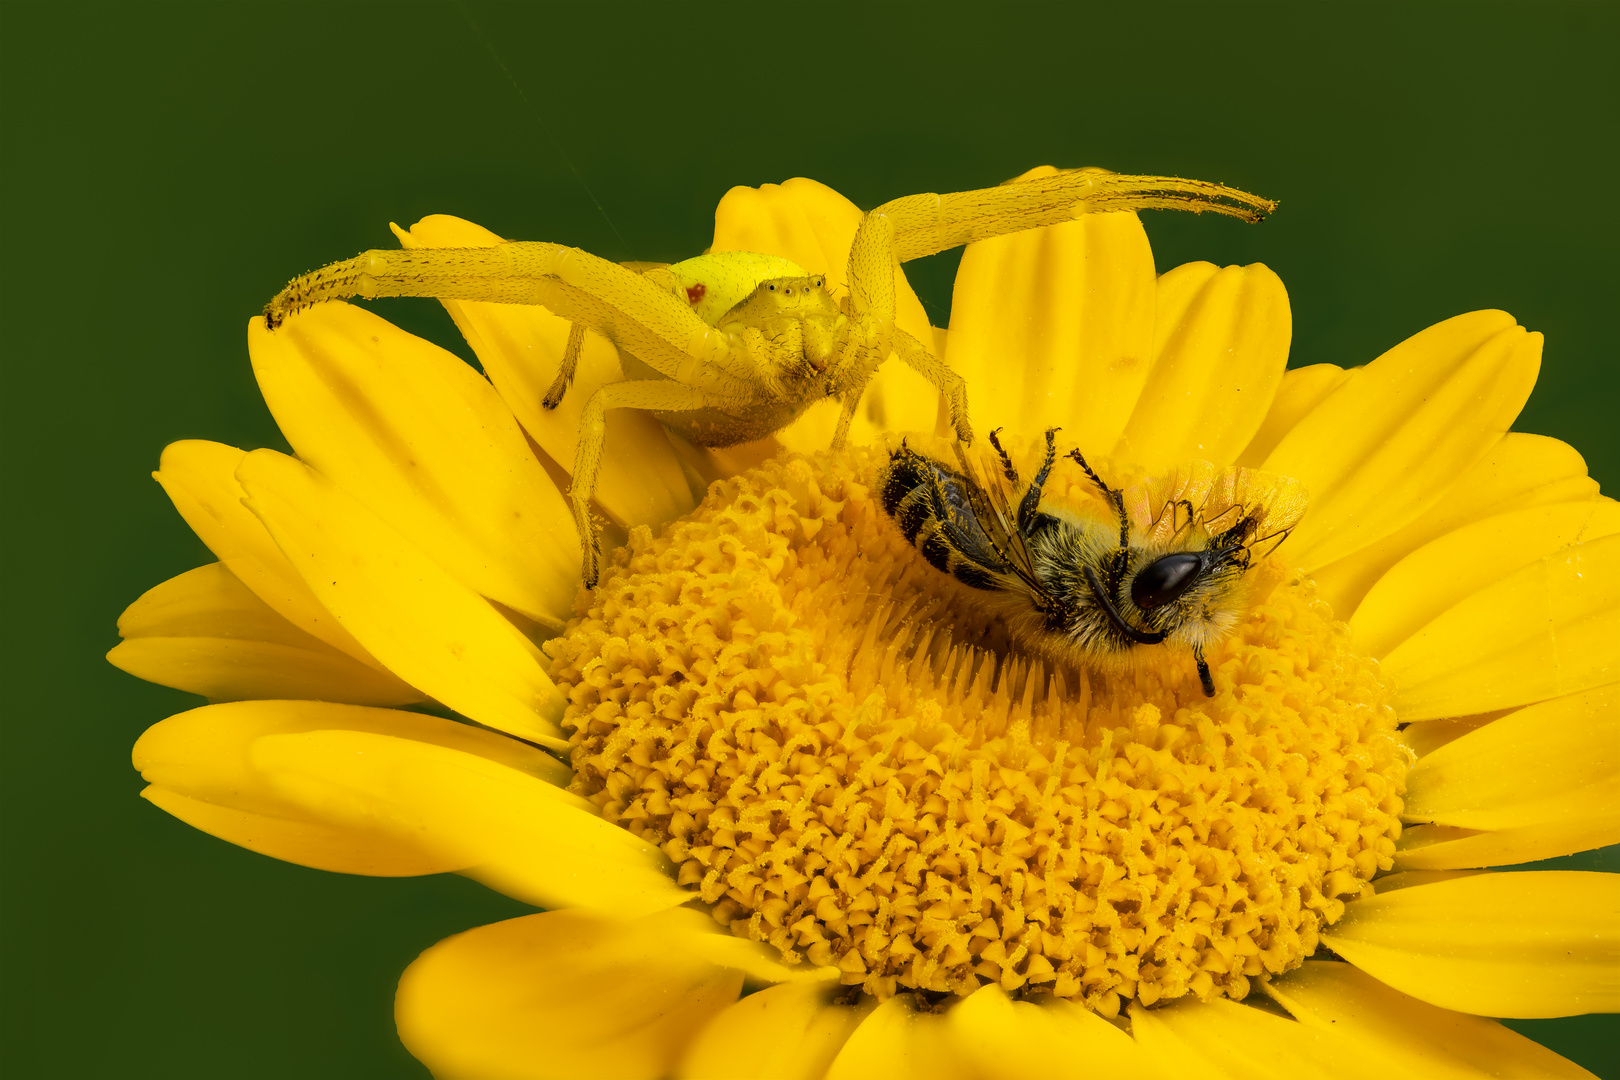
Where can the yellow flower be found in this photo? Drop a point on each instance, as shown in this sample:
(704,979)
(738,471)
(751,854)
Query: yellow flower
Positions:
(772,750)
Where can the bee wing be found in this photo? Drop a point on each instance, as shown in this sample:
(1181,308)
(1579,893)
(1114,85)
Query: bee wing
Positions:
(991,502)
(1219,497)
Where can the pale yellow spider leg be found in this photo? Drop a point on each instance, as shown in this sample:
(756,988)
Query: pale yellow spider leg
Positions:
(653,395)
(623,306)
(951,385)
(871,317)
(926,224)
(565,373)
(846,414)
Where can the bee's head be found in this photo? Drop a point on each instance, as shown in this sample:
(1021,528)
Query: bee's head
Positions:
(1192,594)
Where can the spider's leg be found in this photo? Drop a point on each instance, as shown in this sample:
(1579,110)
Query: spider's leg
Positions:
(657,395)
(869,334)
(565,373)
(926,224)
(846,414)
(952,387)
(629,309)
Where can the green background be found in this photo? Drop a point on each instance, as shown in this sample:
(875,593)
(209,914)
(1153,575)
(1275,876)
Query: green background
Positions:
(167,168)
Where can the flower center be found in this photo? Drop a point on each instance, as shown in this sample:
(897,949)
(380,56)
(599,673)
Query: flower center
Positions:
(779,692)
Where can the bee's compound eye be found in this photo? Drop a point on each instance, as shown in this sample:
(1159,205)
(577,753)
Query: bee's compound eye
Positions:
(1163,580)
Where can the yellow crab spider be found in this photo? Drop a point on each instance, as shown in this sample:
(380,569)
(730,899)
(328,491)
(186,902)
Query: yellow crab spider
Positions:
(731,347)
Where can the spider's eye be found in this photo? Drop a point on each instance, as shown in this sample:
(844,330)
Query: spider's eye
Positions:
(771,287)
(1163,580)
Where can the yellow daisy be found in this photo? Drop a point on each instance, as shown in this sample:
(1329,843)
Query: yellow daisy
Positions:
(791,809)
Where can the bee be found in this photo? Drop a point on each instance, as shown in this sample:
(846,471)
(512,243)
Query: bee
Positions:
(1091,590)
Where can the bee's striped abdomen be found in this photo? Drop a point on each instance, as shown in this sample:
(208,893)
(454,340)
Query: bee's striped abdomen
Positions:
(907,493)
(930,504)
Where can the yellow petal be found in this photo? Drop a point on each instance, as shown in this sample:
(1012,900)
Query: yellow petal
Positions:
(557,996)
(896,1042)
(198,764)
(308,843)
(1447,570)
(1411,1035)
(1549,629)
(208,601)
(1519,472)
(429,628)
(1540,943)
(1443,847)
(230,669)
(1301,390)
(1251,1044)
(1054,326)
(1386,444)
(521,347)
(814,226)
(1016,1040)
(1172,1053)
(1554,760)
(528,838)
(203,753)
(1220,344)
(1543,781)
(1408,879)
(428,446)
(786,1032)
(206,632)
(200,477)
(1431,735)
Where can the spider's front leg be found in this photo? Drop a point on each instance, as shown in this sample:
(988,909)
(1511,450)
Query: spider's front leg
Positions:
(917,225)
(871,334)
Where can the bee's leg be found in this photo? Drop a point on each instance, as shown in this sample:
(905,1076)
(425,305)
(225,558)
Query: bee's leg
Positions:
(1171,508)
(656,395)
(565,373)
(1203,673)
(1115,497)
(1030,504)
(952,387)
(1007,468)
